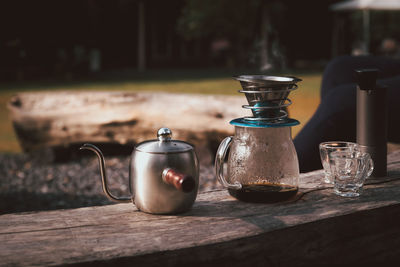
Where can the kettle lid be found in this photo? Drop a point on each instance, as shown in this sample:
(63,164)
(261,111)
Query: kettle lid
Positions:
(164,144)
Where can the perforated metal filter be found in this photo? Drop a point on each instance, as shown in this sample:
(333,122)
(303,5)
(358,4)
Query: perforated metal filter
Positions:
(267,95)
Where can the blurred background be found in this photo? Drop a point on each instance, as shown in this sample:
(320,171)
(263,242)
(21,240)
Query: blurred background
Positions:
(179,45)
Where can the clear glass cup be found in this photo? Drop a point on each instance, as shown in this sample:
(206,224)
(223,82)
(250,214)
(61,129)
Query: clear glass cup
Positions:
(350,170)
(326,148)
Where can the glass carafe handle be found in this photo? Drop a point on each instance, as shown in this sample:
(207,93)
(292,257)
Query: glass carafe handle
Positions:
(219,164)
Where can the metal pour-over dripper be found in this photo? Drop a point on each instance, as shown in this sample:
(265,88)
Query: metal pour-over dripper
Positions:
(267,95)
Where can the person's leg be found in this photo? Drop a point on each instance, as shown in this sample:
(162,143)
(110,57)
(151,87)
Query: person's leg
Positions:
(393,85)
(334,120)
(341,70)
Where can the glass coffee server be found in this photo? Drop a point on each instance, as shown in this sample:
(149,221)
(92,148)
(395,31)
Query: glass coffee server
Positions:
(262,161)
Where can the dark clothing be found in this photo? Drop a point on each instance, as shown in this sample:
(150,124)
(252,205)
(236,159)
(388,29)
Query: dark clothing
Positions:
(335,118)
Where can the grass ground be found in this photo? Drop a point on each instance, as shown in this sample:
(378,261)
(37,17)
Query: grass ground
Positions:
(305,98)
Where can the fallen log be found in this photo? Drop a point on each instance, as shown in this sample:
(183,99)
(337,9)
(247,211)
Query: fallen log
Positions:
(61,120)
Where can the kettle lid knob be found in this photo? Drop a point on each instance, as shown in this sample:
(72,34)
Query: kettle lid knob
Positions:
(164,134)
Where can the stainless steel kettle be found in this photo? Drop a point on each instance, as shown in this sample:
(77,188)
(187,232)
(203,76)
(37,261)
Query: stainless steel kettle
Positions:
(163,177)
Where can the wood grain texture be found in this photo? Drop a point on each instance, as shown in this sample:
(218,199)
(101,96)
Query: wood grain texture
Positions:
(314,227)
(45,119)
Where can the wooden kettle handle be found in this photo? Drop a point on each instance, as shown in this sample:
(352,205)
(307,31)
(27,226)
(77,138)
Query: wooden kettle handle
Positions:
(182,182)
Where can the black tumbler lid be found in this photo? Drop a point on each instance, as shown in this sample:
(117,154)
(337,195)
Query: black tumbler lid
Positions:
(366,78)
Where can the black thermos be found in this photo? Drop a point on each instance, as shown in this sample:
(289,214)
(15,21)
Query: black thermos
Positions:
(372,119)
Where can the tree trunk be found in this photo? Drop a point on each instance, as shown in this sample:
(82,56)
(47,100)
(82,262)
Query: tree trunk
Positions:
(264,59)
(141,37)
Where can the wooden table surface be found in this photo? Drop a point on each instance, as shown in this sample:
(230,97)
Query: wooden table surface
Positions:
(316,227)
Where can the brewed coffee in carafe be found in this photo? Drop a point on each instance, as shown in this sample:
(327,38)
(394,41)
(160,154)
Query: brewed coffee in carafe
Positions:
(262,163)
(264,192)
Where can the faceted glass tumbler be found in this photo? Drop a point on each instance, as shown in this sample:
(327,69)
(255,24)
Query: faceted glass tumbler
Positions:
(350,170)
(326,148)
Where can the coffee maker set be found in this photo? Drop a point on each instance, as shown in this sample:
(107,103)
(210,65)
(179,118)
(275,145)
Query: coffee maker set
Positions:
(258,164)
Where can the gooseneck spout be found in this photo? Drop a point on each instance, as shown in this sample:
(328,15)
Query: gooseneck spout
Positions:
(103,174)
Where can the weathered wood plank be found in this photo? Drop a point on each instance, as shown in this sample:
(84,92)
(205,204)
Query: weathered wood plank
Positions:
(316,226)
